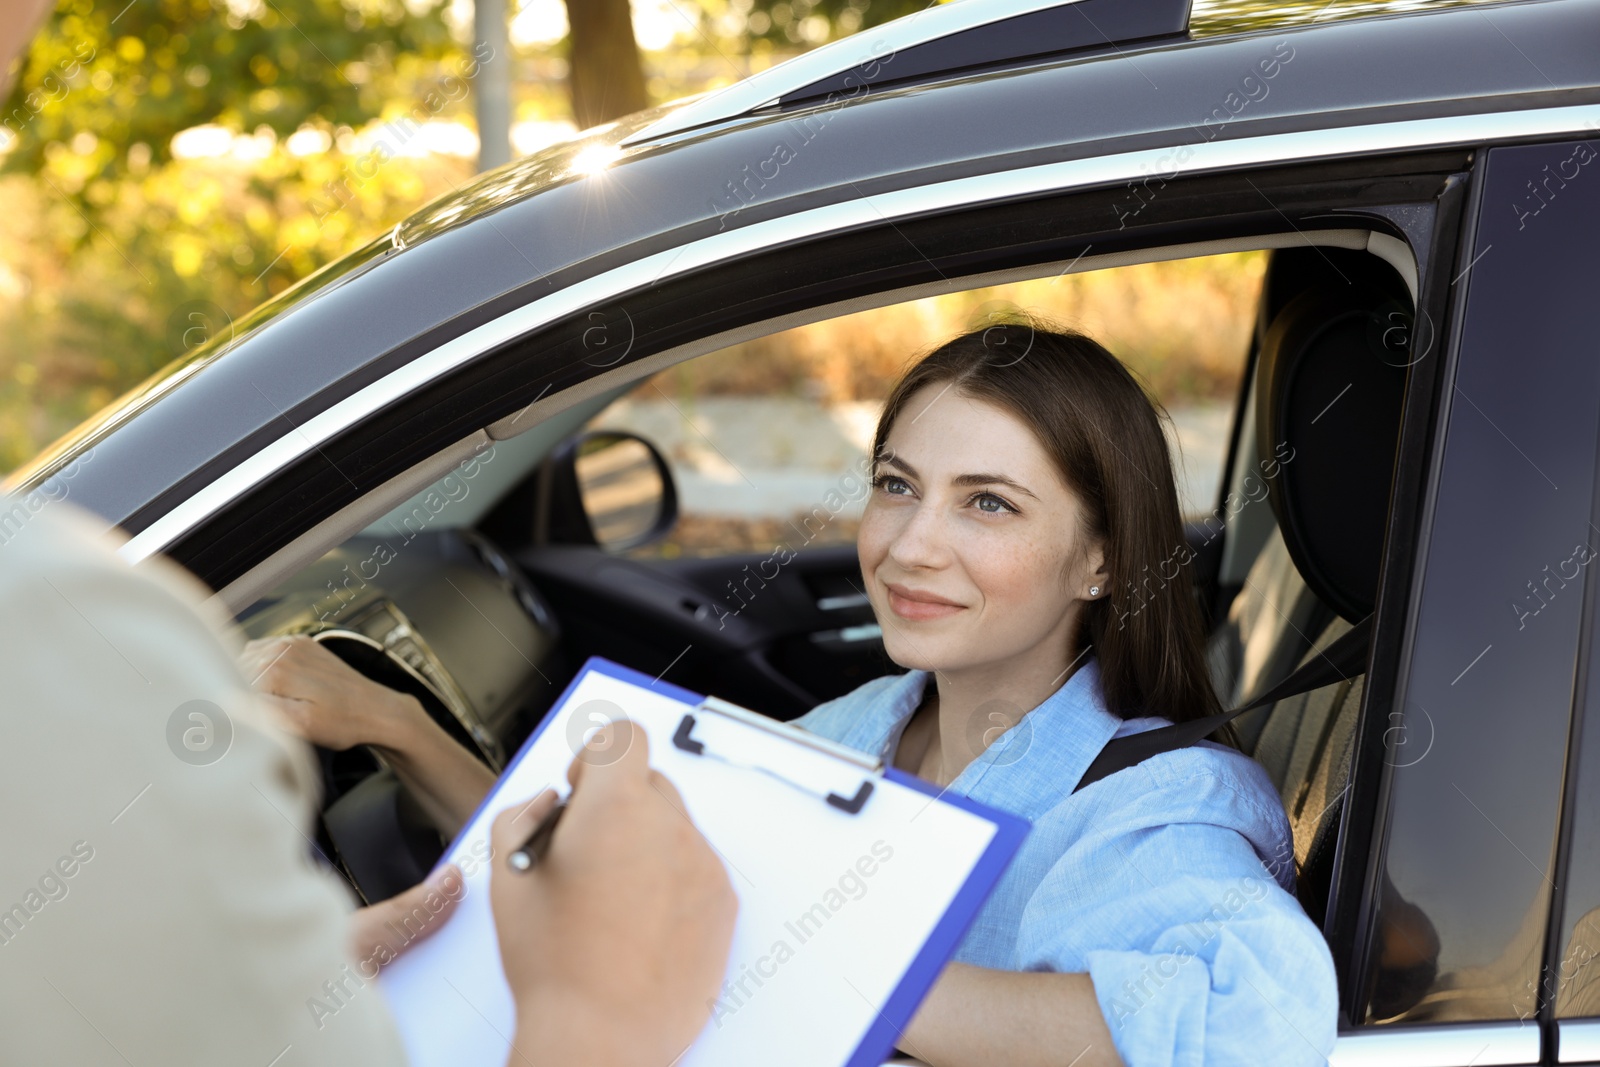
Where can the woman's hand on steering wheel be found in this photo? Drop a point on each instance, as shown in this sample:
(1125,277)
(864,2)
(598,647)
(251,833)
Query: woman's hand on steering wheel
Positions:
(330,703)
(325,700)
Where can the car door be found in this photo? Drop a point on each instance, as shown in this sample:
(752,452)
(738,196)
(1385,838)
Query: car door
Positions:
(1463,945)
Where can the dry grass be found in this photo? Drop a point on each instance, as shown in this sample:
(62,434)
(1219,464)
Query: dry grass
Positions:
(1183,326)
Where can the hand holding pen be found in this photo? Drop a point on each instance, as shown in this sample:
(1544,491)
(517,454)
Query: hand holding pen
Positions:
(603,928)
(537,845)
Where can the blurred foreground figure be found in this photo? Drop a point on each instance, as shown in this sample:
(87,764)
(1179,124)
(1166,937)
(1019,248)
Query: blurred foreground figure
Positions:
(157,904)
(157,899)
(19,19)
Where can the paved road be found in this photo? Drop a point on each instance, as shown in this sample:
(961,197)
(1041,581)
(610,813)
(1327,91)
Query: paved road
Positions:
(764,457)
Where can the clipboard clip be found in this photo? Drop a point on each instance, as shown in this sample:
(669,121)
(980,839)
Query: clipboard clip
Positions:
(683,739)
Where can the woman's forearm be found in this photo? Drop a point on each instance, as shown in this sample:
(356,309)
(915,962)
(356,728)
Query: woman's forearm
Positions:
(447,780)
(975,1017)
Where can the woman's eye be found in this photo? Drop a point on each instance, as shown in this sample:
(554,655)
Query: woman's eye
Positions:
(993,505)
(891,484)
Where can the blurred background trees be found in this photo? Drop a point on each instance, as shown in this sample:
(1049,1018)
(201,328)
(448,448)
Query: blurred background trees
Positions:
(171,163)
(166,165)
(605,71)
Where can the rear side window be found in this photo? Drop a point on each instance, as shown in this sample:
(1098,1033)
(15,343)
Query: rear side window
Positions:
(1468,882)
(1570,985)
(1572,979)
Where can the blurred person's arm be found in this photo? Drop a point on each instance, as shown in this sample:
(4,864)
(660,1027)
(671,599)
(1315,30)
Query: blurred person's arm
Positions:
(19,21)
(107,944)
(158,902)
(329,703)
(616,943)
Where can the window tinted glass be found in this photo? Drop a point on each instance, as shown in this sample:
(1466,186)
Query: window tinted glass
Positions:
(1574,979)
(1468,879)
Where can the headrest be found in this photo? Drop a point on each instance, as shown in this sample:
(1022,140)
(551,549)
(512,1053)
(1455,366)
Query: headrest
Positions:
(1331,381)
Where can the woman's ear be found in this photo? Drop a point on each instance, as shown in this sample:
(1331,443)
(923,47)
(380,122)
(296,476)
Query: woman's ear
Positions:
(1097,575)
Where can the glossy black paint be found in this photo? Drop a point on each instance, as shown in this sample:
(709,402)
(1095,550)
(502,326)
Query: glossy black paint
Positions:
(1080,28)
(1473,803)
(531,228)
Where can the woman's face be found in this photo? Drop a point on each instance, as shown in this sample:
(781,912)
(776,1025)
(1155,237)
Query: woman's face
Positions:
(971,542)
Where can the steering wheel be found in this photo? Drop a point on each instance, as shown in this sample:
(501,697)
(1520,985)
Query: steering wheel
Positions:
(371,827)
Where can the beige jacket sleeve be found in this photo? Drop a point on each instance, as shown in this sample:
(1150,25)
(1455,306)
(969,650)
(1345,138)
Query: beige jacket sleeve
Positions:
(157,903)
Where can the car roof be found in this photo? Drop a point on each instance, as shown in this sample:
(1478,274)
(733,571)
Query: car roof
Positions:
(578,209)
(1420,62)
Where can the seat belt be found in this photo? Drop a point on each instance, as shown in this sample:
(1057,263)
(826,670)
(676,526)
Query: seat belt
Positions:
(1341,661)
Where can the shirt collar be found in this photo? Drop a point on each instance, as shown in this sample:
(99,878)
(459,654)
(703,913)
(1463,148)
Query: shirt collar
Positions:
(1027,770)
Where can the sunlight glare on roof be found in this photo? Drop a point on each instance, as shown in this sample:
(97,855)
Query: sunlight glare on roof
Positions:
(594,159)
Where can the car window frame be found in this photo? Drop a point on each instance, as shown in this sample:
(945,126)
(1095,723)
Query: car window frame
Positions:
(265,510)
(1349,921)
(1398,221)
(160,522)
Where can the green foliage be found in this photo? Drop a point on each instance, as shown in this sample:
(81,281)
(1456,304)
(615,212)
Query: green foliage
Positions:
(93,308)
(103,91)
(1211,18)
(116,258)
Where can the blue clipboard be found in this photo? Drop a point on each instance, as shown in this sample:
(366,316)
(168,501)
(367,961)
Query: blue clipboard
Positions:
(450,1012)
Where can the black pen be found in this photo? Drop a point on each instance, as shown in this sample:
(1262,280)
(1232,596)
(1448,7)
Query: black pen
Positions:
(533,850)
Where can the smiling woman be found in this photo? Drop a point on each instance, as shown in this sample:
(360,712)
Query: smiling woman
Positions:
(1022,493)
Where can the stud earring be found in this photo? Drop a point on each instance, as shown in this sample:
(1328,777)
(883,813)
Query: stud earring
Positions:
(1094,590)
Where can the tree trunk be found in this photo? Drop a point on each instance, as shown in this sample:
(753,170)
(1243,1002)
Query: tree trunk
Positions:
(605,76)
(492,85)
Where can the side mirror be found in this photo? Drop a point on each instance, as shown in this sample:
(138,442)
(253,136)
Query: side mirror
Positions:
(611,489)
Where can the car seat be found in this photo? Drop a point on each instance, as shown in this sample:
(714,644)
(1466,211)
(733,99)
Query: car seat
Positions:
(1331,390)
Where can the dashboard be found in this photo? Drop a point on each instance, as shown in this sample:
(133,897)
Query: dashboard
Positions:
(443,612)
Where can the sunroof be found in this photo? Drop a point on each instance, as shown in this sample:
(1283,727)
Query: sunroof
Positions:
(1212,18)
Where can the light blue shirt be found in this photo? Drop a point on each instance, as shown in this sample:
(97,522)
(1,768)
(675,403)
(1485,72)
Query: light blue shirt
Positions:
(1169,883)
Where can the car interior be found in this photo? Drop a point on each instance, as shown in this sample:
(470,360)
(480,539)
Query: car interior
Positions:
(484,591)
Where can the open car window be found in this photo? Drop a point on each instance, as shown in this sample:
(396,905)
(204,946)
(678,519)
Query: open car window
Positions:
(768,439)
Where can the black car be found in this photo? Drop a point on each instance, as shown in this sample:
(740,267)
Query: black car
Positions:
(1424,349)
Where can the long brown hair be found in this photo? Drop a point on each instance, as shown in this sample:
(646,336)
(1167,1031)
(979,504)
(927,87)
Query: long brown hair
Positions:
(1103,433)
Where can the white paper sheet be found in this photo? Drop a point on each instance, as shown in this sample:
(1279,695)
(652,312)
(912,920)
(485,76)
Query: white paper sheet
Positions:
(833,910)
